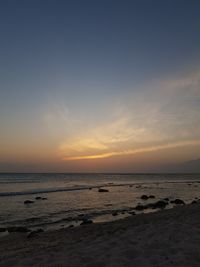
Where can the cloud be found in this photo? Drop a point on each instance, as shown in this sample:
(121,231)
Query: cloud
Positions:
(161,115)
(136,151)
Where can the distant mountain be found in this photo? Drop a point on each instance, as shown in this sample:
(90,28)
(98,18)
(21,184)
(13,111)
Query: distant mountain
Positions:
(192,166)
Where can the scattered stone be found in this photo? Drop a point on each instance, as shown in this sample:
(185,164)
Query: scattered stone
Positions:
(103,190)
(28,201)
(151,196)
(85,217)
(157,205)
(177,201)
(144,197)
(140,207)
(160,204)
(20,229)
(166,199)
(38,198)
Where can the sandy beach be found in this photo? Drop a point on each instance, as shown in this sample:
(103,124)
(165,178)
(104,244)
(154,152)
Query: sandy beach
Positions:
(165,238)
(100,133)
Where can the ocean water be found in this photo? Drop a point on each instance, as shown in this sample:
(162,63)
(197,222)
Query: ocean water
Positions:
(69,197)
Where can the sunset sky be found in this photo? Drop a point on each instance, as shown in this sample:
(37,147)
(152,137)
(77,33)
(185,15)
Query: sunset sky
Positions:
(99,85)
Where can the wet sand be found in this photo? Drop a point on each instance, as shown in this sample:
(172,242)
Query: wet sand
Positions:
(165,238)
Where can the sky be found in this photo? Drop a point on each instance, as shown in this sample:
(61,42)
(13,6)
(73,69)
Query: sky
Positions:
(99,85)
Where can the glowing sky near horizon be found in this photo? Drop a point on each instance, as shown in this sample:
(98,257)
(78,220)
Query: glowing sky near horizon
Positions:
(99,85)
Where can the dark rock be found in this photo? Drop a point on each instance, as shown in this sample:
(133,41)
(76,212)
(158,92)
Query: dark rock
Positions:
(140,207)
(71,226)
(2,229)
(177,201)
(38,198)
(90,188)
(102,190)
(20,229)
(86,222)
(166,199)
(144,197)
(130,185)
(44,198)
(85,217)
(28,201)
(194,202)
(151,196)
(158,205)
(114,213)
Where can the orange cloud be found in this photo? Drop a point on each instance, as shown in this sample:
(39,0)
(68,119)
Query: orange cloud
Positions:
(136,151)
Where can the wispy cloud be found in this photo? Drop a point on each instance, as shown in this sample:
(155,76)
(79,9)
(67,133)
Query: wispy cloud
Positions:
(162,115)
(136,151)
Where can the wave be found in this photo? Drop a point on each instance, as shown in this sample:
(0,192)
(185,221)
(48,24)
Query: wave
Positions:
(87,187)
(41,191)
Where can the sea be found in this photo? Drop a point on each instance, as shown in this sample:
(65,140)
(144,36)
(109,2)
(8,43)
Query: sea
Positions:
(61,200)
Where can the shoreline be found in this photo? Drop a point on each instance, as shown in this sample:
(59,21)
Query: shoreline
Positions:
(165,238)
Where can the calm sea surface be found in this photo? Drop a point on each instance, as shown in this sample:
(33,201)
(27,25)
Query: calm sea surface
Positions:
(71,196)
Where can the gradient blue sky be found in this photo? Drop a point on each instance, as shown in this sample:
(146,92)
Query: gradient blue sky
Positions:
(99,85)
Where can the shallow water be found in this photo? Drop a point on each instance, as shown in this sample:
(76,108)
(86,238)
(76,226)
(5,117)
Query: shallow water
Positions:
(70,196)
